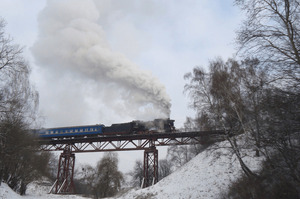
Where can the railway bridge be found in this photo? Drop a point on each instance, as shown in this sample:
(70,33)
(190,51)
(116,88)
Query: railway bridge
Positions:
(147,142)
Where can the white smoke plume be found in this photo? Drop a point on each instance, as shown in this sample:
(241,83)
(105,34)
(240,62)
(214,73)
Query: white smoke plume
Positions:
(72,46)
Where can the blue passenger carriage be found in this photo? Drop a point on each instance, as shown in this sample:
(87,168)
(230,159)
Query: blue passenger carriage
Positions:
(74,131)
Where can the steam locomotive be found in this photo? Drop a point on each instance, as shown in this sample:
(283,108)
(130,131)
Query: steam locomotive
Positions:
(134,127)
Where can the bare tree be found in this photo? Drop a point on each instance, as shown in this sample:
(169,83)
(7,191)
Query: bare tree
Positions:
(221,94)
(20,163)
(137,173)
(88,180)
(178,155)
(164,168)
(18,106)
(271,33)
(239,98)
(108,177)
(17,94)
(282,133)
(279,138)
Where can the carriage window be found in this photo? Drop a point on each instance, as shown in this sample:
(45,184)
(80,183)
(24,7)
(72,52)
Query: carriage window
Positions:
(51,132)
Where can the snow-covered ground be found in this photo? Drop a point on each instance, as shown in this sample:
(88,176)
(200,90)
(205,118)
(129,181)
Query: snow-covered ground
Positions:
(205,176)
(35,191)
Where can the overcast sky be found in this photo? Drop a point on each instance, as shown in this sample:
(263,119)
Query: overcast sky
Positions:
(75,49)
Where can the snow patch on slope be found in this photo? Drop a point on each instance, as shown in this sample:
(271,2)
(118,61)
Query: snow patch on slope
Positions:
(7,193)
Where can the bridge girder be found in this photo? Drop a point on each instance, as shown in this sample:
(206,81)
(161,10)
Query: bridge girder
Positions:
(127,143)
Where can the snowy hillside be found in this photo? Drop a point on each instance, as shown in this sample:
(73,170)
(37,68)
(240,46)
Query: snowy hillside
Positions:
(205,176)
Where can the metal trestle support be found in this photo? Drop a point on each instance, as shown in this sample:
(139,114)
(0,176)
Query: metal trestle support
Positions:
(65,173)
(150,166)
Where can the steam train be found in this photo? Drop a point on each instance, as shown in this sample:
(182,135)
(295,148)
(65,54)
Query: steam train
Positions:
(134,127)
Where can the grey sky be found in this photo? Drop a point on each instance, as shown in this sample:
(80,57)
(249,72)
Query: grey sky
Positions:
(165,38)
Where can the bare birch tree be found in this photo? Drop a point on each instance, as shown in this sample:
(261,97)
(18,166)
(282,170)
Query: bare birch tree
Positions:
(271,33)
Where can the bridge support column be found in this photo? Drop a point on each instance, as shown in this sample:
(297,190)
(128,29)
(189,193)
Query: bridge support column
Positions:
(150,166)
(64,181)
